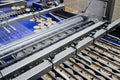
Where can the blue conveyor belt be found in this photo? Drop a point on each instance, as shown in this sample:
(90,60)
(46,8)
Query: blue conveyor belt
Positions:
(112,40)
(28,24)
(21,32)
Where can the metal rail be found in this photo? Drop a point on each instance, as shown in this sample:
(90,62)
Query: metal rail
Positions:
(8,4)
(19,65)
(30,15)
(97,67)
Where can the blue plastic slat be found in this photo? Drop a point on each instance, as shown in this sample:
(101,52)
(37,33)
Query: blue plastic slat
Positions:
(112,40)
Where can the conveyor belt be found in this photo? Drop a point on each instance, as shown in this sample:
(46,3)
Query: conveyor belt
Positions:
(40,44)
(105,64)
(21,32)
(100,61)
(9,34)
(70,50)
(34,60)
(32,49)
(10,13)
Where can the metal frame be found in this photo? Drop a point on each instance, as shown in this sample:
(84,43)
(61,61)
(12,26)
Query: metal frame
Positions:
(96,9)
(46,66)
(13,69)
(109,10)
(100,9)
(35,72)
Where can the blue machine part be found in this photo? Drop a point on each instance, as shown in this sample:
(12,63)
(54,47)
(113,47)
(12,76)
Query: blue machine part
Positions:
(38,6)
(30,2)
(6,9)
(49,0)
(112,41)
(54,18)
(21,32)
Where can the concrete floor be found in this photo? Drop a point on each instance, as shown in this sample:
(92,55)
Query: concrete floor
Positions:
(81,4)
(116,14)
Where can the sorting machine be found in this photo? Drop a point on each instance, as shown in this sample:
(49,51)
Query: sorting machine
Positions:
(41,41)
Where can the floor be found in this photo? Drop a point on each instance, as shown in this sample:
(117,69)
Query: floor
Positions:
(81,4)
